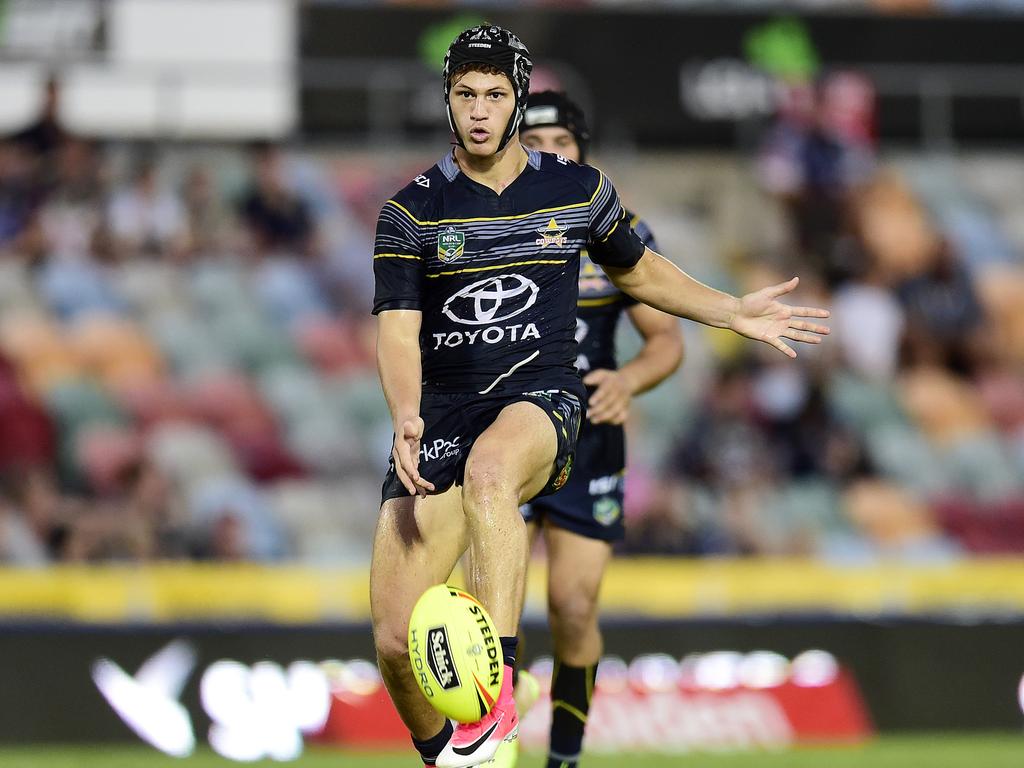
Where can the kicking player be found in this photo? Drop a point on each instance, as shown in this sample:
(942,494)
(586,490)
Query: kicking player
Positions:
(584,518)
(476,264)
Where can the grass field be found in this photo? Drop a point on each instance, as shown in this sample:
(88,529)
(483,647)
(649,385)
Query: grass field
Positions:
(1000,750)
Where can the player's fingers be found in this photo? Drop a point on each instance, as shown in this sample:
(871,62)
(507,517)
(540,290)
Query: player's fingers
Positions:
(809,312)
(594,378)
(803,325)
(782,346)
(782,289)
(618,417)
(409,455)
(403,476)
(806,338)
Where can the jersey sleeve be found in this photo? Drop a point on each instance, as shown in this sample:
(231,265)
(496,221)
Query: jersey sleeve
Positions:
(646,235)
(398,265)
(612,242)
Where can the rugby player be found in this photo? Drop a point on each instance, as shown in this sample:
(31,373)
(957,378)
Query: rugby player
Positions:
(476,263)
(581,521)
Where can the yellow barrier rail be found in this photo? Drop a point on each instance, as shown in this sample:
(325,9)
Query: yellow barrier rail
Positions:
(654,588)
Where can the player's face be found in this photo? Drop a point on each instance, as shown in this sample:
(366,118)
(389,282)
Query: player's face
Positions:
(482,105)
(552,138)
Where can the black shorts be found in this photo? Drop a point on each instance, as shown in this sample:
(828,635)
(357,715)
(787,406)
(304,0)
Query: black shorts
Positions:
(453,422)
(591,503)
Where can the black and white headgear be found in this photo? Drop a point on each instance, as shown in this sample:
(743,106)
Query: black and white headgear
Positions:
(547,108)
(496,47)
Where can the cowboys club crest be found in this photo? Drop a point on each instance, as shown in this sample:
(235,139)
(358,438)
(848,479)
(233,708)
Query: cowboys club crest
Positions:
(552,234)
(450,245)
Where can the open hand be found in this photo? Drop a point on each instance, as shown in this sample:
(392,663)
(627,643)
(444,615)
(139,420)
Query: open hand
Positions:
(610,402)
(762,317)
(406,455)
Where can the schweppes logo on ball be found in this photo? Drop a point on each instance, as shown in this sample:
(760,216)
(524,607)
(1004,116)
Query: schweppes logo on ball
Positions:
(450,244)
(439,658)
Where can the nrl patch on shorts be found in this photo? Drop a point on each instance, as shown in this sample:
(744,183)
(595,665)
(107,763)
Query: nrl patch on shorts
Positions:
(607,510)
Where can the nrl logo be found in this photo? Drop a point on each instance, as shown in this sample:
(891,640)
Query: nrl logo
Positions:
(450,245)
(552,234)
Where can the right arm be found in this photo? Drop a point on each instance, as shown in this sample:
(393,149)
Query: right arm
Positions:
(398,364)
(398,278)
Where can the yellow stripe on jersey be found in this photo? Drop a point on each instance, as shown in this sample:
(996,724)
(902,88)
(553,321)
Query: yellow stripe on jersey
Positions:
(634,221)
(396,256)
(600,183)
(498,266)
(597,302)
(489,218)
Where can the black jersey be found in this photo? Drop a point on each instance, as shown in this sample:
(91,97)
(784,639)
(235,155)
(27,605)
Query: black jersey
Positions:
(496,277)
(600,306)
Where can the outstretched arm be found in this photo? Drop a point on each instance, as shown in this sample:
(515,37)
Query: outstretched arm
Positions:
(659,283)
(398,363)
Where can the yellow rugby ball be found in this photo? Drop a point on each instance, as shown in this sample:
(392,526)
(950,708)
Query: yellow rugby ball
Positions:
(455,653)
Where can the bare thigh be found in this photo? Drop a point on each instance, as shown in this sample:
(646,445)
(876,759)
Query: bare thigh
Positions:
(416,545)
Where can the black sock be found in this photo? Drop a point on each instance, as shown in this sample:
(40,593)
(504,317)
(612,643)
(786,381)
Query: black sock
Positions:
(430,748)
(571,690)
(509,646)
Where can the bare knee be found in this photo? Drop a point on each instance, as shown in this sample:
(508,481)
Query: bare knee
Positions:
(487,482)
(392,644)
(573,609)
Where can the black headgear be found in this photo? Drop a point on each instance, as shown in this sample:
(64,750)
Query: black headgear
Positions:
(555,108)
(498,48)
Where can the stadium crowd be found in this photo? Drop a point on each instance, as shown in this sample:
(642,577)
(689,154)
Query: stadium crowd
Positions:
(186,358)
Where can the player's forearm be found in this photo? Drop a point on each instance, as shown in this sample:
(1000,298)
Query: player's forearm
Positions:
(659,283)
(399,367)
(660,355)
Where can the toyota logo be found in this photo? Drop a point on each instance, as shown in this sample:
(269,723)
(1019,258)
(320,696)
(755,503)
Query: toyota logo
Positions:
(491,300)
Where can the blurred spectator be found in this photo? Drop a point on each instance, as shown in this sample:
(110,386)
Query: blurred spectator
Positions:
(20,197)
(820,149)
(74,207)
(21,543)
(146,218)
(725,447)
(278,220)
(27,435)
(941,305)
(46,134)
(233,521)
(890,524)
(207,217)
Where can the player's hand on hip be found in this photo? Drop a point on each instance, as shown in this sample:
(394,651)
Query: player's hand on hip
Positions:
(610,402)
(406,454)
(762,317)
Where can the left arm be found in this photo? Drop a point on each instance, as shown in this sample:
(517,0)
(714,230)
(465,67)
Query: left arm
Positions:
(659,283)
(660,355)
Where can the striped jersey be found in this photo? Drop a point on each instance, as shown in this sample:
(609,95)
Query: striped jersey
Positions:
(600,305)
(496,276)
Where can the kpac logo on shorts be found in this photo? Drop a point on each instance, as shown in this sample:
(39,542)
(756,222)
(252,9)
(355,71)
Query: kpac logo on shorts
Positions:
(491,300)
(439,658)
(450,245)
